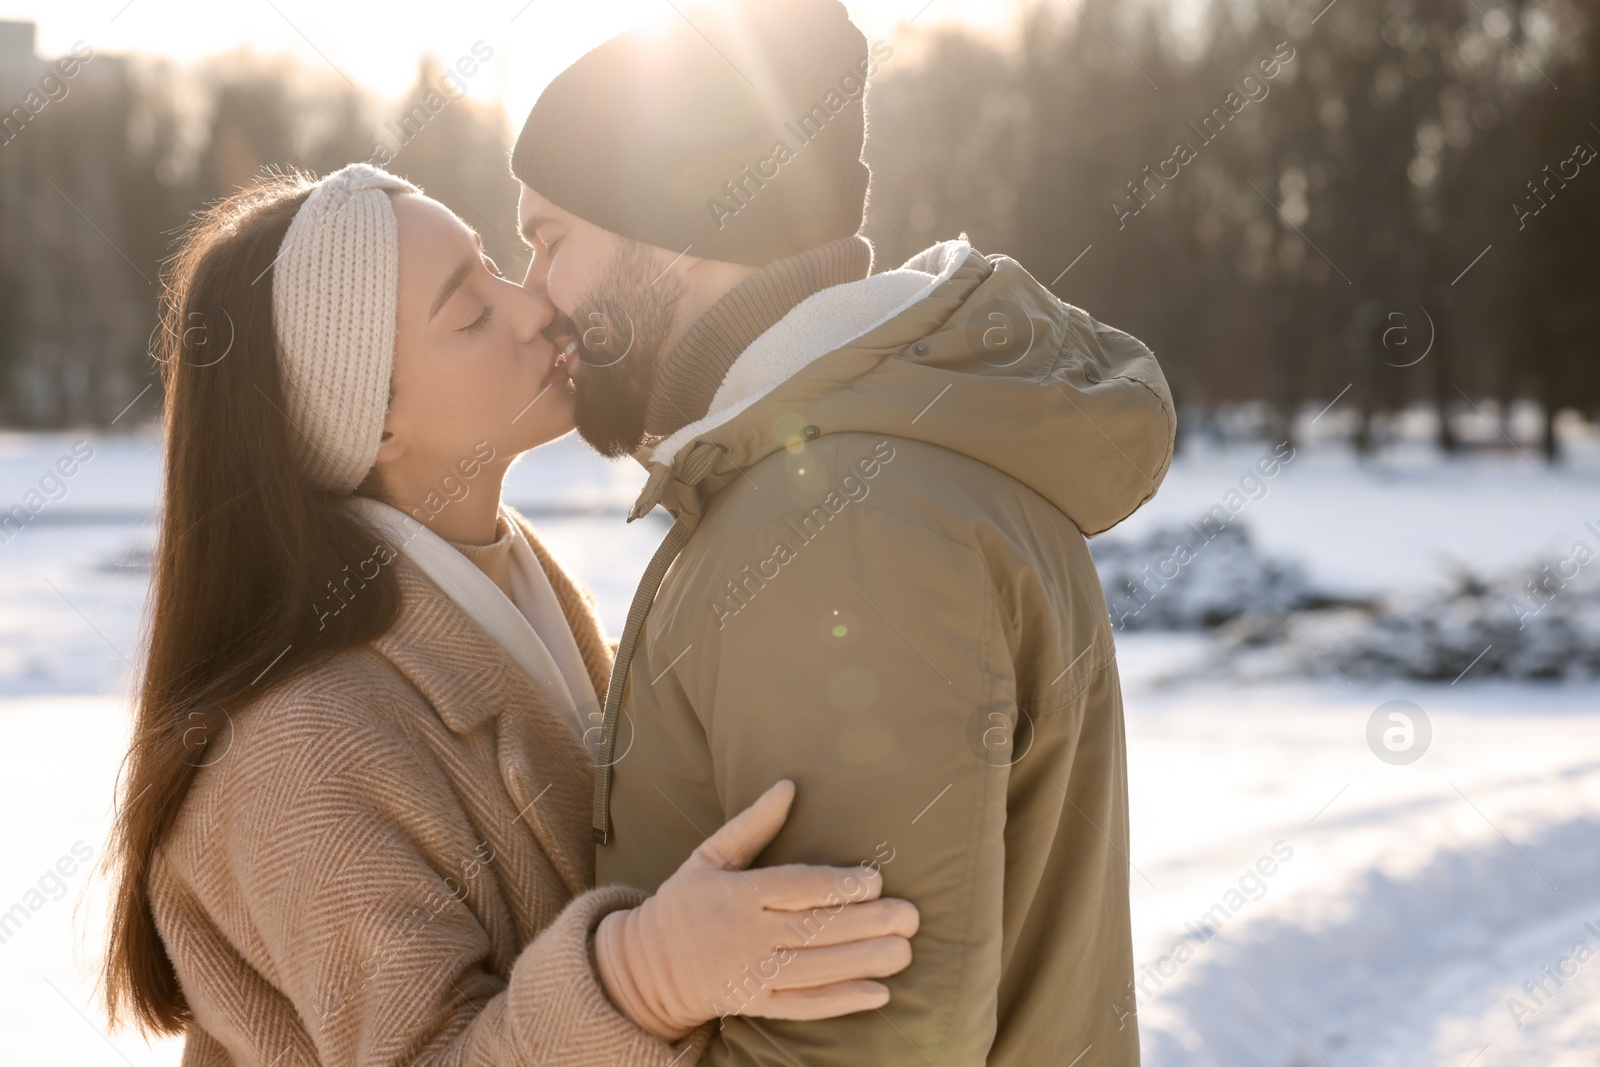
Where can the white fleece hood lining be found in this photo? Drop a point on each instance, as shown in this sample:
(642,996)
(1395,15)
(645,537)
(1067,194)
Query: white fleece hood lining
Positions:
(824,322)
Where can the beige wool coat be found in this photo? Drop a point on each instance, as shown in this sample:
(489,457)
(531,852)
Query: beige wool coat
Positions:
(391,863)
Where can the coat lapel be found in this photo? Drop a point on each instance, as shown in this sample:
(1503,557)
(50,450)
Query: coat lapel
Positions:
(473,685)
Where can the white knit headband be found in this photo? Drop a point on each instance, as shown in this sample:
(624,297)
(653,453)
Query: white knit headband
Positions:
(335,292)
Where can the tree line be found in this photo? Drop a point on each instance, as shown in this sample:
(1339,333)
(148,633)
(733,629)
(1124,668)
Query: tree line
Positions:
(1370,204)
(1384,202)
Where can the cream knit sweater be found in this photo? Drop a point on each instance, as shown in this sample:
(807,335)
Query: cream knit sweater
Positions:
(392,864)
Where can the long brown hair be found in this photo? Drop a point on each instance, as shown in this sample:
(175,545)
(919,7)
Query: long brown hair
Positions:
(246,550)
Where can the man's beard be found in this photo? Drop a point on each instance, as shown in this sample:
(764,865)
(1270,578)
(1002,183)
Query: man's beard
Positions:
(622,328)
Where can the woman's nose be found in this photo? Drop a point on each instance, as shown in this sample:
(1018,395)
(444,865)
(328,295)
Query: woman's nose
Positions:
(535,312)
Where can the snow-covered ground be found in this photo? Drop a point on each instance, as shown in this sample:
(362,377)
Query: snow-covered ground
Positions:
(1414,900)
(1360,912)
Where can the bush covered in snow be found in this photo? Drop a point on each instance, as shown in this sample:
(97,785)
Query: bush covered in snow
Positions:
(1514,626)
(1195,576)
(1536,623)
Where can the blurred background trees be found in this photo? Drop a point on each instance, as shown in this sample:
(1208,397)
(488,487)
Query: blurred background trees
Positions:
(94,188)
(1318,241)
(1314,242)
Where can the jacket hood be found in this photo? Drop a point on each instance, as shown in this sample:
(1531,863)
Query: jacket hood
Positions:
(954,349)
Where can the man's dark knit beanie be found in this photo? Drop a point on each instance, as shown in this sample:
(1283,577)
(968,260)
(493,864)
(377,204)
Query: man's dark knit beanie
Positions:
(735,134)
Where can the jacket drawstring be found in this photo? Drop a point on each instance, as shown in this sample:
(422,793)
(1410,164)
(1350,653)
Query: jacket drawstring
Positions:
(698,464)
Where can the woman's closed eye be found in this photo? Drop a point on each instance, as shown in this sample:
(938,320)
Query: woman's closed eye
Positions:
(480,322)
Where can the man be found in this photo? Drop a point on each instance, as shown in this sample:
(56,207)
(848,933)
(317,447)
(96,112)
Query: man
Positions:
(878,584)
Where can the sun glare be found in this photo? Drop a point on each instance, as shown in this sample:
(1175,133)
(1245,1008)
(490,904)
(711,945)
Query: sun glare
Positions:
(532,40)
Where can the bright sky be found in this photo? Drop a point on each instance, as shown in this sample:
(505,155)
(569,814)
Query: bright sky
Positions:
(377,45)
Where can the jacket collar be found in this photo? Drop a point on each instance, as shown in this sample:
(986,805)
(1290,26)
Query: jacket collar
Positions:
(815,349)
(981,359)
(826,321)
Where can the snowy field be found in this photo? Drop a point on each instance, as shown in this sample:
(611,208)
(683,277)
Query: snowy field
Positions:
(1297,900)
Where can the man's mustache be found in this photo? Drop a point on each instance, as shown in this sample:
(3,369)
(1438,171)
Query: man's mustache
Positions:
(603,331)
(561,325)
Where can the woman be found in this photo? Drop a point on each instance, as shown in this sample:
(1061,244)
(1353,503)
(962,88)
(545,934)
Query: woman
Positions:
(355,826)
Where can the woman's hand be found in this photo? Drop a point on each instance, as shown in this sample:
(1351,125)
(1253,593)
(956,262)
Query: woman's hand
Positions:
(790,942)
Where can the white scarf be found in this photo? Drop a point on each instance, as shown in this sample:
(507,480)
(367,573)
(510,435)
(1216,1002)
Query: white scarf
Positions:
(530,627)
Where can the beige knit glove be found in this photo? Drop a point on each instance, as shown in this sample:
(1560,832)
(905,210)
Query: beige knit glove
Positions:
(790,942)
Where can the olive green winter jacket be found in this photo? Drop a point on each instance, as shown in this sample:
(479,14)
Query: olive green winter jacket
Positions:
(879,587)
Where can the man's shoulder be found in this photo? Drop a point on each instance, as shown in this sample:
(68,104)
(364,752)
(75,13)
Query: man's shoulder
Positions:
(876,509)
(848,475)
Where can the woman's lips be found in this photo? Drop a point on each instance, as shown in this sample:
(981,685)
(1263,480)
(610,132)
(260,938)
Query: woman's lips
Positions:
(559,373)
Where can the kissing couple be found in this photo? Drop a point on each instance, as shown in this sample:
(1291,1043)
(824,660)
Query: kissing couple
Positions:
(851,787)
